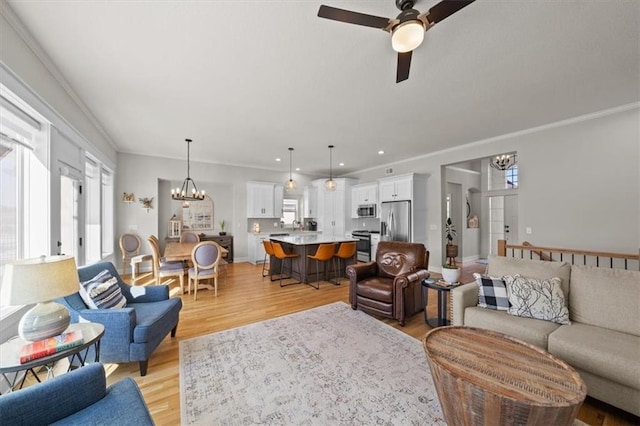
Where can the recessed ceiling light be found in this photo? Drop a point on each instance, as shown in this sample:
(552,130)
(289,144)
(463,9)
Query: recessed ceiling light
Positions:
(380,152)
(277,159)
(341,164)
(297,169)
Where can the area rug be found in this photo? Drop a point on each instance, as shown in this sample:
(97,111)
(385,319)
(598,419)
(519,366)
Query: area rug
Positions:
(328,365)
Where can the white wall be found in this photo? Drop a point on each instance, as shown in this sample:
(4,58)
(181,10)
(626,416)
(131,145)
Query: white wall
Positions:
(17,54)
(144,176)
(579,181)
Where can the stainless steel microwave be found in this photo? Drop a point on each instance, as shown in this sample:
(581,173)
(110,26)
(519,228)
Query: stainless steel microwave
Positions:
(367,210)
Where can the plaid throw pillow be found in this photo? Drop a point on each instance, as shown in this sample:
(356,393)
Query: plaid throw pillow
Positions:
(492,293)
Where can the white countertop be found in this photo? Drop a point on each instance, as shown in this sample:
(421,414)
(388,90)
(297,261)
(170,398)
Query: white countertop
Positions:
(302,240)
(284,231)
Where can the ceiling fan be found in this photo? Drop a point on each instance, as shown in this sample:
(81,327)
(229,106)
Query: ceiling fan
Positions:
(407,29)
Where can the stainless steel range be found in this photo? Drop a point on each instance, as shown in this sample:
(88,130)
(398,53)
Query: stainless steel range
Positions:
(363,244)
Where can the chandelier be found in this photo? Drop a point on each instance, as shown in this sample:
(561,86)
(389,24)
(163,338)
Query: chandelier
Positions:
(189,191)
(291,184)
(330,184)
(503,162)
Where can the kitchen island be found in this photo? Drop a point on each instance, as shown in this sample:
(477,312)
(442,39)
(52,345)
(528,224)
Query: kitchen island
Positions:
(304,269)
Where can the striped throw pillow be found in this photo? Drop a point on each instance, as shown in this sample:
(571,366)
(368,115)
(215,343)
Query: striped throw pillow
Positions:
(102,292)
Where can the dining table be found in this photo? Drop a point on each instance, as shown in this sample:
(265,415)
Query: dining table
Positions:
(176,251)
(182,251)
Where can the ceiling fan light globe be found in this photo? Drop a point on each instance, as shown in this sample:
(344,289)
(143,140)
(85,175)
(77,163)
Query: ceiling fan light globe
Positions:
(407,36)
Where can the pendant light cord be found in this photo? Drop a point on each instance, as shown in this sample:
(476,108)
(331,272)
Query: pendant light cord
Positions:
(330,162)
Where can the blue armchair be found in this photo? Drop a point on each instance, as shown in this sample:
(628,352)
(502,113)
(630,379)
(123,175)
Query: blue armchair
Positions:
(134,332)
(80,397)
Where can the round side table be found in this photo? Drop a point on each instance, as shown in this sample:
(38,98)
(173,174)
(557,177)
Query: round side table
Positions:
(442,288)
(10,364)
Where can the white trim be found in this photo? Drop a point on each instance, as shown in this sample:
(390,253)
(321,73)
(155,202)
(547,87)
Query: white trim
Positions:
(461,170)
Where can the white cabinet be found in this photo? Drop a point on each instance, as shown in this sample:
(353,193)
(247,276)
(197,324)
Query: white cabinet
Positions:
(396,188)
(264,199)
(332,207)
(256,248)
(366,193)
(310,196)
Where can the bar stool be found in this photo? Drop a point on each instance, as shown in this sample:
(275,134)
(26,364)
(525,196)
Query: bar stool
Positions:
(268,251)
(324,253)
(279,252)
(346,251)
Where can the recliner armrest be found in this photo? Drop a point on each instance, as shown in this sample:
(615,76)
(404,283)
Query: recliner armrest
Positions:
(361,271)
(403,280)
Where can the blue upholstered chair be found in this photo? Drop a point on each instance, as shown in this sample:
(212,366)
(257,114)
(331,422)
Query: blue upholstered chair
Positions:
(131,333)
(80,397)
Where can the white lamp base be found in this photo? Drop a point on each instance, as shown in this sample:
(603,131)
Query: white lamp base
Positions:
(44,320)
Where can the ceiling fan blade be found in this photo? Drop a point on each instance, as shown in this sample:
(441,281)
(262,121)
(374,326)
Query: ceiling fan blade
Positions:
(350,17)
(404,63)
(446,8)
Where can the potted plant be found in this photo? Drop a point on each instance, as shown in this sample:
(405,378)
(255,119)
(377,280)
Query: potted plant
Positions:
(222,231)
(450,270)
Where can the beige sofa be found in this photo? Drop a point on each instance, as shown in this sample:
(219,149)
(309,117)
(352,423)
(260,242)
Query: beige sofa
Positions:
(603,341)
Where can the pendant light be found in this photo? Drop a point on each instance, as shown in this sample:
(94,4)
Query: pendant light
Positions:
(189,191)
(291,184)
(330,184)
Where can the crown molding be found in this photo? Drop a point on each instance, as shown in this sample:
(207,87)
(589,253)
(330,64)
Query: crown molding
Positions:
(7,12)
(553,125)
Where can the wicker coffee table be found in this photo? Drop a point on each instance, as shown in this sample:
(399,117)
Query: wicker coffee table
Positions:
(486,377)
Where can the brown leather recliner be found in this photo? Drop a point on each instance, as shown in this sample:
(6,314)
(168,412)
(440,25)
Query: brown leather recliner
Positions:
(390,286)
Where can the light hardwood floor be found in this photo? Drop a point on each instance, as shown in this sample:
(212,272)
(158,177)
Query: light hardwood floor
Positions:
(246,298)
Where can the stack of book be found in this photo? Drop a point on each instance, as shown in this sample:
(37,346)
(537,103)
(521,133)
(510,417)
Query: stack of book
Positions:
(50,346)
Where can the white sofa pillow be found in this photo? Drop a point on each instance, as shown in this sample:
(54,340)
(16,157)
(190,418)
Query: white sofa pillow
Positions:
(539,299)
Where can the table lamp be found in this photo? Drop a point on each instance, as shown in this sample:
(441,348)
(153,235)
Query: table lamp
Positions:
(39,281)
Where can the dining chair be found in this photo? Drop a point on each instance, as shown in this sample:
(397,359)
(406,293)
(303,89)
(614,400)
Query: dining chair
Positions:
(324,253)
(189,237)
(279,252)
(268,252)
(346,251)
(206,257)
(130,245)
(165,269)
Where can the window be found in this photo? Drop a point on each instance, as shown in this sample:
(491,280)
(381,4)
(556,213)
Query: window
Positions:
(503,179)
(107,213)
(24,231)
(92,229)
(98,193)
(289,211)
(511,177)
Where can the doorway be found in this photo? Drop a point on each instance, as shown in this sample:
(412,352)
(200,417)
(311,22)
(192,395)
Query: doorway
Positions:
(70,240)
(503,220)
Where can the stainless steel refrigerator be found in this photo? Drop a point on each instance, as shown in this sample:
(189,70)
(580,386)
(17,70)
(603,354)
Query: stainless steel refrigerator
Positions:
(395,221)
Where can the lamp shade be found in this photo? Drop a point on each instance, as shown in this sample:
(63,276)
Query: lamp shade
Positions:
(39,280)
